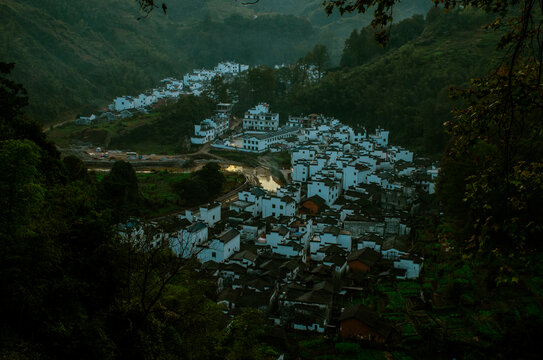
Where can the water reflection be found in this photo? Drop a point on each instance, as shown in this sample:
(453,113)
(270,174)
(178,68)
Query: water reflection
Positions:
(262,175)
(268,183)
(234,168)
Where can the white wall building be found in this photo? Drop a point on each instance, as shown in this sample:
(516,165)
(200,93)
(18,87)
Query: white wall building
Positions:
(260,119)
(300,171)
(123,103)
(278,206)
(250,201)
(292,190)
(186,243)
(302,153)
(221,248)
(410,265)
(334,235)
(211,213)
(325,188)
(260,142)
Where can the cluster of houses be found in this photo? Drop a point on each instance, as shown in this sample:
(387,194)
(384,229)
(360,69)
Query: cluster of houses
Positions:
(260,132)
(171,88)
(307,254)
(210,129)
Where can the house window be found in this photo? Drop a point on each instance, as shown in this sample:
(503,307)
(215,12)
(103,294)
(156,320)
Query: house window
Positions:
(213,254)
(273,206)
(281,207)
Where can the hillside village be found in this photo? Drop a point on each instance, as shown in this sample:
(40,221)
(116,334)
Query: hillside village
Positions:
(193,83)
(305,253)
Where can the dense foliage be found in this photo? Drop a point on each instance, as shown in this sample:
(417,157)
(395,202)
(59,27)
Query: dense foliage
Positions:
(71,286)
(204,185)
(416,71)
(172,128)
(86,52)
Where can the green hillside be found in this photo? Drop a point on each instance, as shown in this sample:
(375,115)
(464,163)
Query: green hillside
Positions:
(406,88)
(75,56)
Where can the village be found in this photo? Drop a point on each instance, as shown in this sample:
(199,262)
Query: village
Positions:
(194,83)
(310,254)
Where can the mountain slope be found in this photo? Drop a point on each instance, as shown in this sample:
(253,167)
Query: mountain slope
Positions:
(75,56)
(71,58)
(406,90)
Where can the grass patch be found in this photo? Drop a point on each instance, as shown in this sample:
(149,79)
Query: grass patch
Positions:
(156,189)
(156,186)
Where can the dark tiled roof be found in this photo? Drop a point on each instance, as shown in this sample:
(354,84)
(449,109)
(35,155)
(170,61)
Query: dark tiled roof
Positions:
(368,317)
(337,260)
(332,249)
(211,205)
(281,230)
(367,256)
(317,200)
(245,255)
(316,297)
(334,230)
(228,235)
(395,242)
(287,199)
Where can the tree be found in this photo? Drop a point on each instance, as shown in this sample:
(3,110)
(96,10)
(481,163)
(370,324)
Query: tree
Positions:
(243,337)
(318,57)
(120,190)
(218,89)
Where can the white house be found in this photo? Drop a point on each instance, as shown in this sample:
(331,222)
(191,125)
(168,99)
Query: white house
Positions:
(230,68)
(259,118)
(250,201)
(327,189)
(302,153)
(123,103)
(186,243)
(292,190)
(209,129)
(411,265)
(300,171)
(211,213)
(221,248)
(260,142)
(203,134)
(85,120)
(289,249)
(370,241)
(276,236)
(278,206)
(143,100)
(380,137)
(334,235)
(397,153)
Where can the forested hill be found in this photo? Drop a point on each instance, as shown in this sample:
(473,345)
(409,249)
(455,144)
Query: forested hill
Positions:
(405,87)
(76,55)
(73,56)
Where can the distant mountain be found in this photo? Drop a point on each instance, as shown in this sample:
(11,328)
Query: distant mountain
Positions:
(76,55)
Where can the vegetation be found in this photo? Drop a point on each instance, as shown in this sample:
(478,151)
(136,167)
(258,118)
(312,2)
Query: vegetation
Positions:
(71,287)
(441,51)
(205,185)
(161,192)
(170,129)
